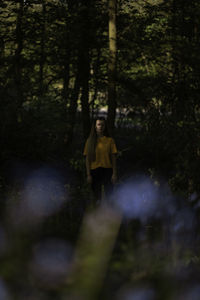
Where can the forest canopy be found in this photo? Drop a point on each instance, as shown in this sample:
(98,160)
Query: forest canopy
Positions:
(55,75)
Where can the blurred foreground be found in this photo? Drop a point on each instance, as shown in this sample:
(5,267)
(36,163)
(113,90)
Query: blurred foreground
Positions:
(142,244)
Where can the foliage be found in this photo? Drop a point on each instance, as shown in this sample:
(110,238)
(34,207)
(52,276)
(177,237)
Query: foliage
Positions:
(53,79)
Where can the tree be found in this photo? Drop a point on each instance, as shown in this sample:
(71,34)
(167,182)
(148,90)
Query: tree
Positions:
(112,64)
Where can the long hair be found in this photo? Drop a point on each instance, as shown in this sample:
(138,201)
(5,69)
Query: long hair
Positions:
(92,139)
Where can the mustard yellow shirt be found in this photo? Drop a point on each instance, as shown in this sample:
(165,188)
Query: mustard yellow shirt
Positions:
(104,148)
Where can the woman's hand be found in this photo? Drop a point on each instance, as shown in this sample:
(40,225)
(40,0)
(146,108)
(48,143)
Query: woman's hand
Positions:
(89,179)
(114,178)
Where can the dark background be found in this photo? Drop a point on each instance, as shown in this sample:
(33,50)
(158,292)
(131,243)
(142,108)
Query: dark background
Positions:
(54,78)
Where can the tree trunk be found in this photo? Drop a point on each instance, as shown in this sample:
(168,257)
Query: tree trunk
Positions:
(85,102)
(82,76)
(96,78)
(42,55)
(72,110)
(67,58)
(66,76)
(85,66)
(17,59)
(112,65)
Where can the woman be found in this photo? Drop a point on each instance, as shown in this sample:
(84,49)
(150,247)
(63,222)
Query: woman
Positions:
(100,151)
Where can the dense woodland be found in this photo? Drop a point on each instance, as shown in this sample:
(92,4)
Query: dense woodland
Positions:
(63,62)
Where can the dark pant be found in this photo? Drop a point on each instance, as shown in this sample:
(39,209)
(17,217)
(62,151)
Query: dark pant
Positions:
(101,177)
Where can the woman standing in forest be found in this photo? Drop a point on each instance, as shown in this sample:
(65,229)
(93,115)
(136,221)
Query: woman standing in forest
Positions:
(100,151)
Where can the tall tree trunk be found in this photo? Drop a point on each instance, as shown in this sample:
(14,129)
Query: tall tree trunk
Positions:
(82,76)
(112,65)
(96,78)
(66,77)
(85,66)
(180,105)
(85,99)
(67,58)
(72,110)
(42,55)
(17,59)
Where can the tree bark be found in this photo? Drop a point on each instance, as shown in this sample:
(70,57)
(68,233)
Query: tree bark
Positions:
(112,65)
(42,55)
(17,58)
(82,76)
(72,110)
(85,66)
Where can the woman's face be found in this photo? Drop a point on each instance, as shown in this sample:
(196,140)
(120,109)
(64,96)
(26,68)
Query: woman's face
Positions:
(100,126)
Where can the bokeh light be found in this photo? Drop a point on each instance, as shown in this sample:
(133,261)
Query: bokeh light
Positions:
(137,198)
(43,194)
